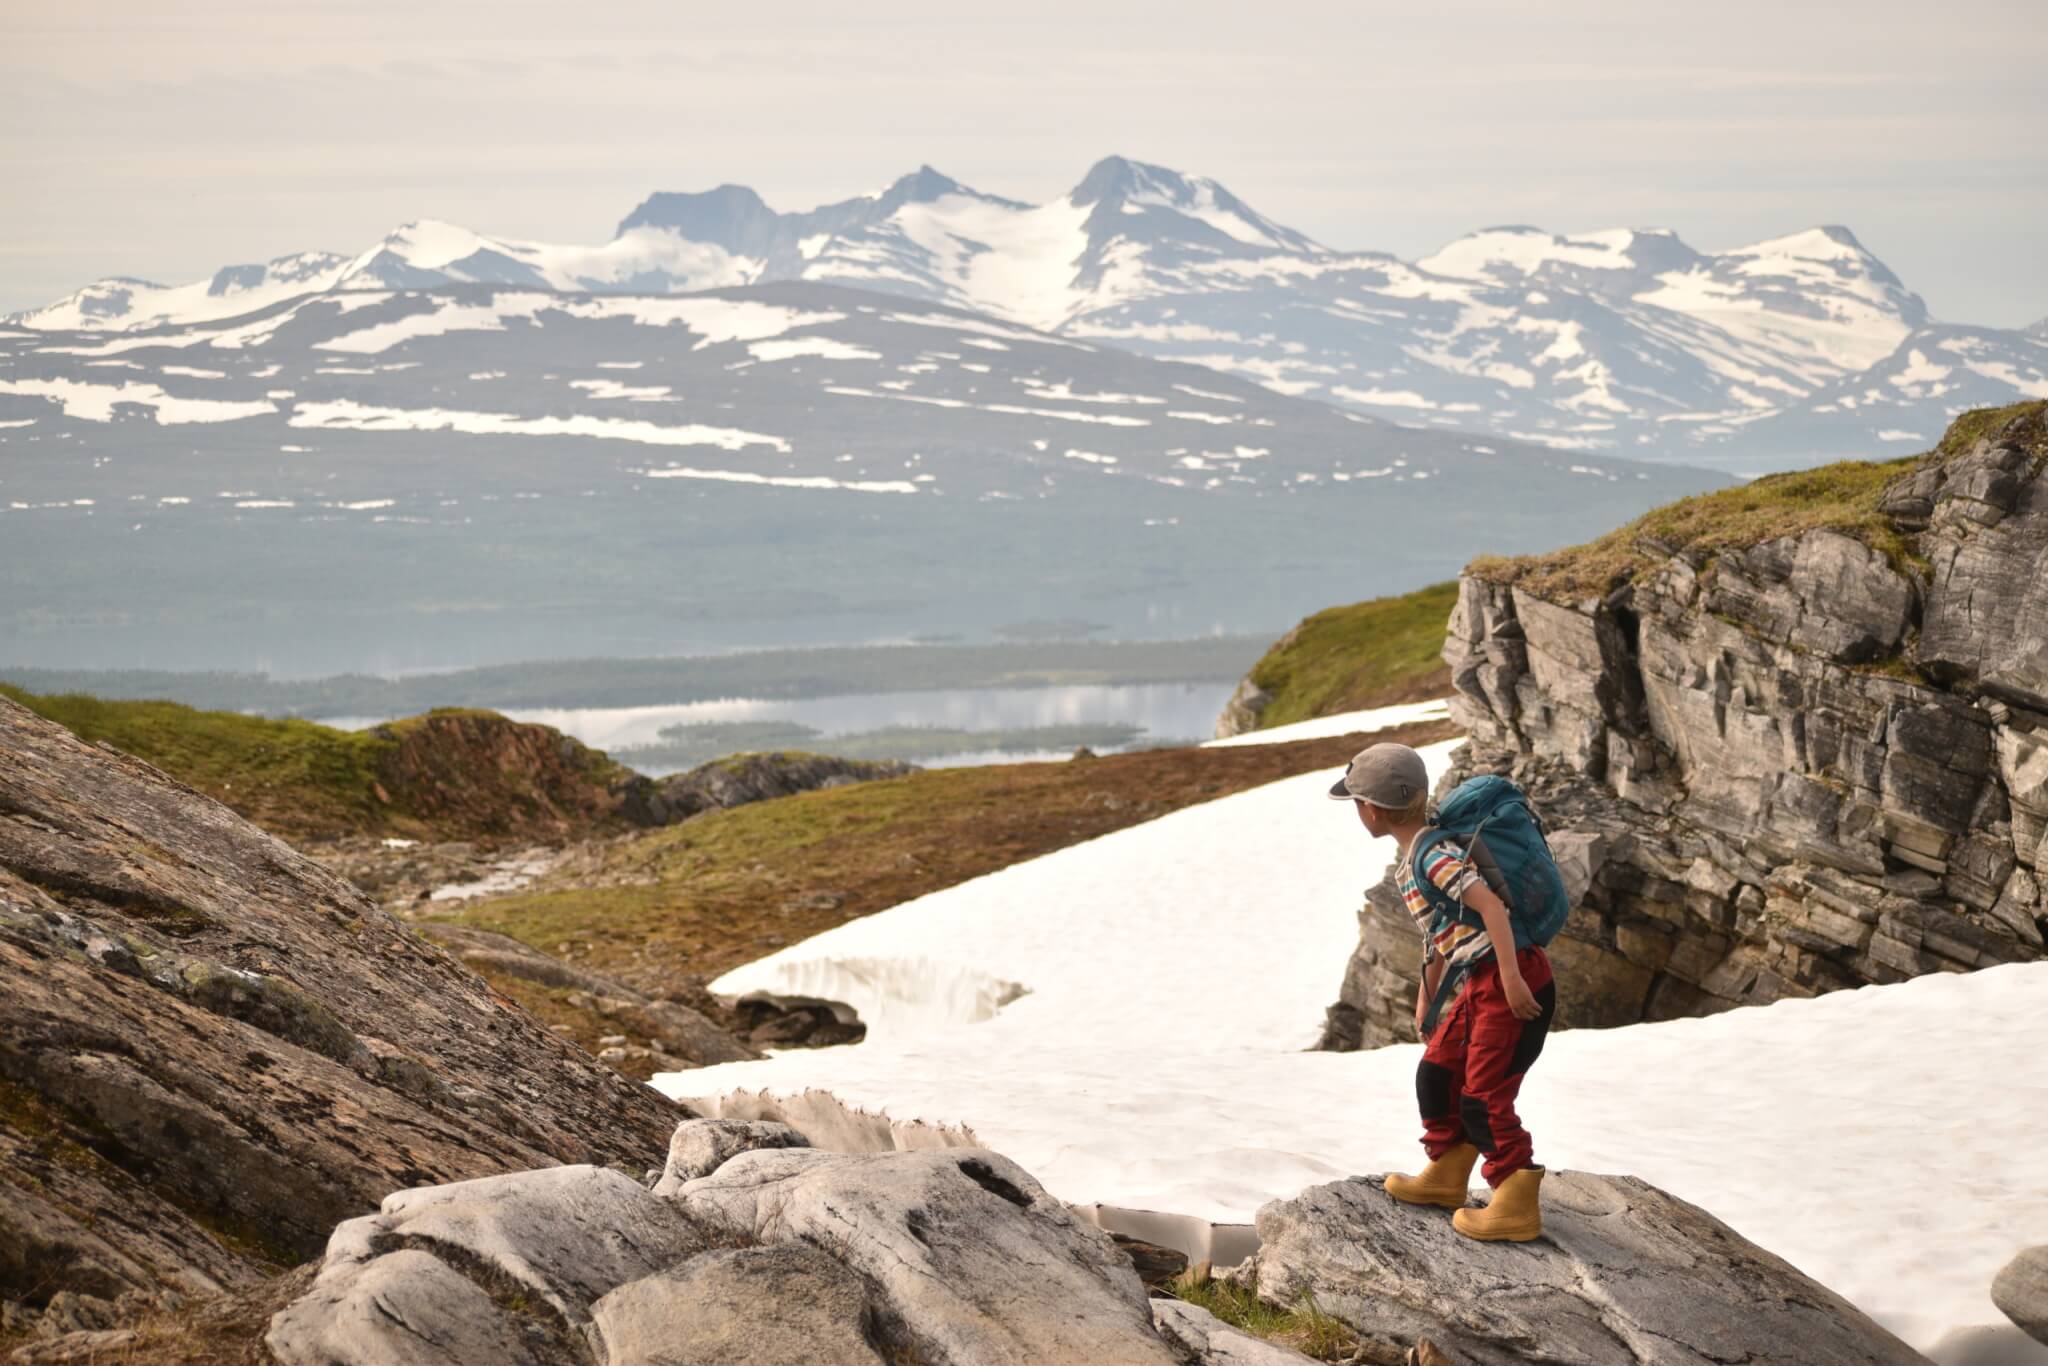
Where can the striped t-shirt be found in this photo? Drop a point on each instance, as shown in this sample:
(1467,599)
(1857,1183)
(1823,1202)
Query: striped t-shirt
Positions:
(1445,865)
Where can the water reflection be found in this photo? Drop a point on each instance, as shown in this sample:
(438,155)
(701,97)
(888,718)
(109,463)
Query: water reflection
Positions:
(1163,711)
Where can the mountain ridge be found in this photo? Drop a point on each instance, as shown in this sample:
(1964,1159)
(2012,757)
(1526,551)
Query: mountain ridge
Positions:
(1625,341)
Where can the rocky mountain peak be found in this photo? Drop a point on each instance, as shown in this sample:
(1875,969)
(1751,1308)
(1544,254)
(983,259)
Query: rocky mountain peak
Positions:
(922,186)
(731,216)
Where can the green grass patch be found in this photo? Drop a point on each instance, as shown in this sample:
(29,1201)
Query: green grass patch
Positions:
(451,773)
(1303,1327)
(286,775)
(1841,497)
(1368,654)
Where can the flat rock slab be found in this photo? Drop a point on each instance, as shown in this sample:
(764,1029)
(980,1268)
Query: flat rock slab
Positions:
(972,1262)
(1624,1274)
(755,1306)
(2021,1292)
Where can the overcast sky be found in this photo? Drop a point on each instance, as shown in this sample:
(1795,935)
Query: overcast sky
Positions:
(164,140)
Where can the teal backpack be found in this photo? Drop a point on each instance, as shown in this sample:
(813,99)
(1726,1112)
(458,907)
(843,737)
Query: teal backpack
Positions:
(1503,838)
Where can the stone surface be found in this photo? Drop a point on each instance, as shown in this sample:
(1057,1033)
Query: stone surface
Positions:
(2020,1291)
(700,1147)
(756,1306)
(746,778)
(1206,1340)
(517,1259)
(217,1050)
(970,1260)
(90,1345)
(1624,1274)
(1241,712)
(1750,784)
(404,1309)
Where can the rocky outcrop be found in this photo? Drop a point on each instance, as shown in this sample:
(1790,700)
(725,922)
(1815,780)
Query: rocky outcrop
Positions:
(1241,713)
(1814,762)
(972,1260)
(476,774)
(2020,1291)
(1624,1274)
(775,1254)
(212,1050)
(745,778)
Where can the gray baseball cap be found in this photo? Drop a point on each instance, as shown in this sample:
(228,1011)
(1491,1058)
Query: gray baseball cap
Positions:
(1385,774)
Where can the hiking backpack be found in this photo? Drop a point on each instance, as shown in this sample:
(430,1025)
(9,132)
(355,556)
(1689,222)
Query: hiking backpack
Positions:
(1503,840)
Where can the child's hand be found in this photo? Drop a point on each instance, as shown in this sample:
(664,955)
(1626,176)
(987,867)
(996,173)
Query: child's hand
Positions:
(1520,999)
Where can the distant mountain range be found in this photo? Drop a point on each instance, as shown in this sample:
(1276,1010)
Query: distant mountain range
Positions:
(1630,342)
(405,478)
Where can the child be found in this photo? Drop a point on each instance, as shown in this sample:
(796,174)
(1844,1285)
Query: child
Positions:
(1474,1059)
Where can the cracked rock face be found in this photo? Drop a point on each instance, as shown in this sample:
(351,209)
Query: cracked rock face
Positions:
(516,1260)
(1624,1274)
(754,1306)
(1751,784)
(777,1254)
(212,1050)
(972,1262)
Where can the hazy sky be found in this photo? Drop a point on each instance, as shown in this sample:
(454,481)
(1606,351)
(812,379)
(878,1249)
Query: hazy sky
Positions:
(163,140)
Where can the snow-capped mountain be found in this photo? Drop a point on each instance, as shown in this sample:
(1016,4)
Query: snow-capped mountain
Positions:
(435,475)
(1625,342)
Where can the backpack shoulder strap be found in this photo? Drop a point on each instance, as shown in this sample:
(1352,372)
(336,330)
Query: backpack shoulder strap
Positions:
(1427,839)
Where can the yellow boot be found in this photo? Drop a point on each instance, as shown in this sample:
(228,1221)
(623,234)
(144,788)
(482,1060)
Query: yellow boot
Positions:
(1513,1217)
(1446,1181)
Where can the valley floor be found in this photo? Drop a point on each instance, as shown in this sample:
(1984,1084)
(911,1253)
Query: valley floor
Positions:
(1127,1018)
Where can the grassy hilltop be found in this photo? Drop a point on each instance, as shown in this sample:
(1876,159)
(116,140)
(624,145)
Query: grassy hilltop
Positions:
(451,773)
(1386,650)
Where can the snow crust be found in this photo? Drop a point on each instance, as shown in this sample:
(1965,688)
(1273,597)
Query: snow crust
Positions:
(346,414)
(1173,974)
(1346,723)
(95,402)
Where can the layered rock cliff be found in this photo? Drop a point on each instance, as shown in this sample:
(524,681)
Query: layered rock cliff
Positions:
(1787,738)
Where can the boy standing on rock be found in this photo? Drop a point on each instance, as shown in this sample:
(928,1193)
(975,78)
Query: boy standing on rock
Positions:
(1474,1058)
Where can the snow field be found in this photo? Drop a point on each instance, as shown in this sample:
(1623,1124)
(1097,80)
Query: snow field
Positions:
(1885,1141)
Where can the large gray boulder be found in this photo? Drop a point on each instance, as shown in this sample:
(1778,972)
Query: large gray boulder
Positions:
(516,1259)
(2021,1292)
(755,1306)
(972,1261)
(1624,1274)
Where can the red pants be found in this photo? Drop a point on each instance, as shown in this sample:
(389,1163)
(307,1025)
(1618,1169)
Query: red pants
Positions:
(1472,1067)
